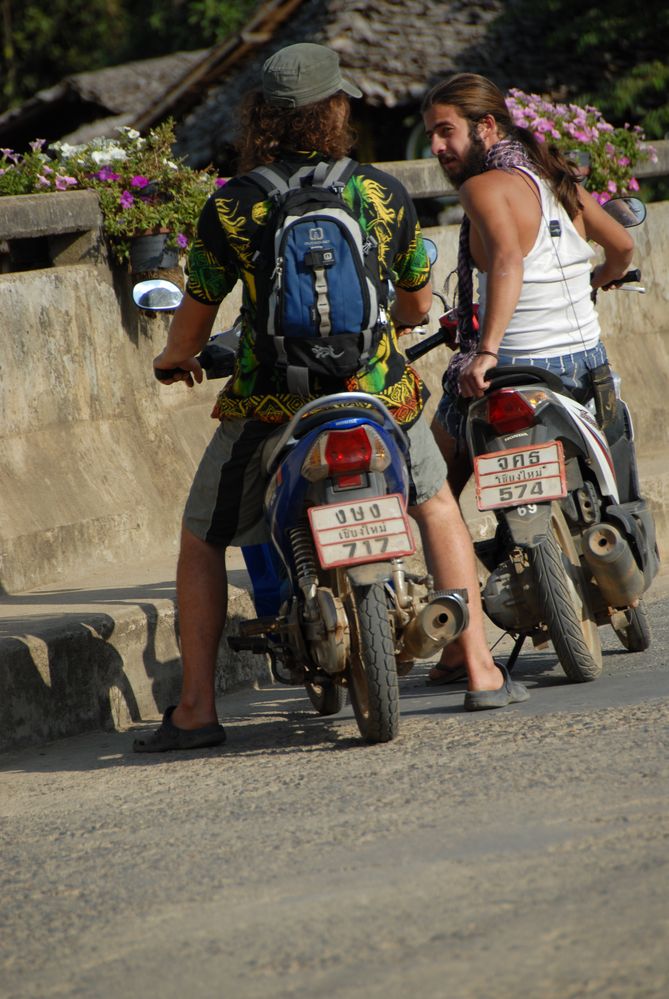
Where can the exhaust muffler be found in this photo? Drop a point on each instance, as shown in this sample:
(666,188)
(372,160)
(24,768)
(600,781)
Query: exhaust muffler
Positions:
(438,623)
(609,558)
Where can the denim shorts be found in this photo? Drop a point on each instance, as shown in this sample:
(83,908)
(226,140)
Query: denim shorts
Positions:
(573,369)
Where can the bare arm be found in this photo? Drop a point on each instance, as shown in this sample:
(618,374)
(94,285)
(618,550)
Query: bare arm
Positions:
(484,199)
(613,238)
(411,307)
(189,331)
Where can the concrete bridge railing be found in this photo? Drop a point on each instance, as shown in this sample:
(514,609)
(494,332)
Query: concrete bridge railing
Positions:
(96,457)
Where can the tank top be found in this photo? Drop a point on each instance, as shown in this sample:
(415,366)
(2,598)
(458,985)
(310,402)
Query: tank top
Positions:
(555,314)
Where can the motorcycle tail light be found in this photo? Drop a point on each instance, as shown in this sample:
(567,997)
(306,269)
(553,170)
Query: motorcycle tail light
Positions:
(340,453)
(509,411)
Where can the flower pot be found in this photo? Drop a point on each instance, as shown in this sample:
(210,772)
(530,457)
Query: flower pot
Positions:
(149,253)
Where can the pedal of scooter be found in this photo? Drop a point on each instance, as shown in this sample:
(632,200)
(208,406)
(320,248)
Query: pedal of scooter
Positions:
(258,645)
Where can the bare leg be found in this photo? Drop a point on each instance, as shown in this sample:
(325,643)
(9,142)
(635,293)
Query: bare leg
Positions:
(459,468)
(450,558)
(202,596)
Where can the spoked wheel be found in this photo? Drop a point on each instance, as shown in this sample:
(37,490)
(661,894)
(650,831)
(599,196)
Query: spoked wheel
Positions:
(563,602)
(635,634)
(327,697)
(372,674)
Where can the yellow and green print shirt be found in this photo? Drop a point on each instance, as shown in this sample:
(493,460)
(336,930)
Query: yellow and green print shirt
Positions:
(230,228)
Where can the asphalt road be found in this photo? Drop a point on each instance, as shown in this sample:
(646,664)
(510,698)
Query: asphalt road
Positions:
(519,853)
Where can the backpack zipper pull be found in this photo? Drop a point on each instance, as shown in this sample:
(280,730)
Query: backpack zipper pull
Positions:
(277,273)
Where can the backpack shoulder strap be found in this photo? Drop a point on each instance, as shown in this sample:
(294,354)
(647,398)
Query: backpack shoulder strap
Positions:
(339,172)
(270,179)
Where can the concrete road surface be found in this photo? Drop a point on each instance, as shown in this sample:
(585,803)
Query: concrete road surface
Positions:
(519,853)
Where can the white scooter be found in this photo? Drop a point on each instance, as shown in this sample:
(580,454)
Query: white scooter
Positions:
(575,545)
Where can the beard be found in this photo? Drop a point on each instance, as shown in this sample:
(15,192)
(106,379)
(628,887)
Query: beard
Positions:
(471,164)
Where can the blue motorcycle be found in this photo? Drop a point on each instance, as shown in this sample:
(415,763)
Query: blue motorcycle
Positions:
(338,610)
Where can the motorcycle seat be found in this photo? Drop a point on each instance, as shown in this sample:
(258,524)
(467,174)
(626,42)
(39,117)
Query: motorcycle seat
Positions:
(505,376)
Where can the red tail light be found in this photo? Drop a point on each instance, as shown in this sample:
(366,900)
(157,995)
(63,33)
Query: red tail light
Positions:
(348,451)
(508,411)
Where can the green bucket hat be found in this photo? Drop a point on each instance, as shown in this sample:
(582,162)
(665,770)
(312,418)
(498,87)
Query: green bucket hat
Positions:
(303,74)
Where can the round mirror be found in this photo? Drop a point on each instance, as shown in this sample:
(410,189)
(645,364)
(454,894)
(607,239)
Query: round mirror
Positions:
(628,211)
(156,295)
(431,250)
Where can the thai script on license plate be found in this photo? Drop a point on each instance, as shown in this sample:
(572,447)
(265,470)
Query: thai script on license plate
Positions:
(370,530)
(521,475)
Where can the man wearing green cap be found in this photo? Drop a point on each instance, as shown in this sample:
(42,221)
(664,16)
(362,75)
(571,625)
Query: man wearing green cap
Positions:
(299,118)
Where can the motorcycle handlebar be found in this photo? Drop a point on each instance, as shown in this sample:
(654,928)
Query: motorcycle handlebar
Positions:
(425,346)
(628,278)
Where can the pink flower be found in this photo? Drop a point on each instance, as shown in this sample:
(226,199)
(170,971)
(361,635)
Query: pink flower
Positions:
(182,241)
(107,174)
(612,186)
(601,196)
(221,181)
(126,200)
(633,184)
(62,183)
(140,181)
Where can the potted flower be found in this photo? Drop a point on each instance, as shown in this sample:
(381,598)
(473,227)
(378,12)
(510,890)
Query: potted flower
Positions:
(604,155)
(141,186)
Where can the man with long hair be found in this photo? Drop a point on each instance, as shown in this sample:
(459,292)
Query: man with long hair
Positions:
(525,231)
(299,119)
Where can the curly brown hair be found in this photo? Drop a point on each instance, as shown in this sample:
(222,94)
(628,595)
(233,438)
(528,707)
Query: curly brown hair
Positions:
(266,131)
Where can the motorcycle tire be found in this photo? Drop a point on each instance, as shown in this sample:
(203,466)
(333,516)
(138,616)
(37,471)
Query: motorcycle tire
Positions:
(563,605)
(327,697)
(635,636)
(372,675)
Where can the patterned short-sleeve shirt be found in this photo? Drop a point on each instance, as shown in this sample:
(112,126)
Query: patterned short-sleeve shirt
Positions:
(229,230)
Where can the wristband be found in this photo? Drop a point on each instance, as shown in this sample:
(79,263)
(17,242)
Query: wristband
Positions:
(490,353)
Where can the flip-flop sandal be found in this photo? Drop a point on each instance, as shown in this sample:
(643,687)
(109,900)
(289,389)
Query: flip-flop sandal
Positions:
(511,692)
(451,674)
(169,737)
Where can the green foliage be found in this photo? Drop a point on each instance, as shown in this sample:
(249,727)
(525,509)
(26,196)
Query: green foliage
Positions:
(48,42)
(612,55)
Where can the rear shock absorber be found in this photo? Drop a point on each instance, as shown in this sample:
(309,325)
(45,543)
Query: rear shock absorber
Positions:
(304,557)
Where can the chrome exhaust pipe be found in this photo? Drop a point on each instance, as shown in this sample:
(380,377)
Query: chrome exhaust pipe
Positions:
(438,623)
(611,562)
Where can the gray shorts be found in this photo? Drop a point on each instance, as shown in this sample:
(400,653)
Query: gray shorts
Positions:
(225,504)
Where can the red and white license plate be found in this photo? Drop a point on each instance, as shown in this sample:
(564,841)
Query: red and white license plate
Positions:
(370,530)
(520,476)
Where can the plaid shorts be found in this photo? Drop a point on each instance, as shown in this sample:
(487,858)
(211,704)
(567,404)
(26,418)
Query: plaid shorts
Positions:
(573,369)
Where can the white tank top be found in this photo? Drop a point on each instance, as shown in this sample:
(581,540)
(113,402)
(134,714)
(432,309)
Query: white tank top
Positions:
(555,314)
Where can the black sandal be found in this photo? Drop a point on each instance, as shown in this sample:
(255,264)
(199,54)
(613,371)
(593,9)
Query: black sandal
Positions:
(169,737)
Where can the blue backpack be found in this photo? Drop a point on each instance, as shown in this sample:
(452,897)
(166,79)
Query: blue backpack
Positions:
(320,301)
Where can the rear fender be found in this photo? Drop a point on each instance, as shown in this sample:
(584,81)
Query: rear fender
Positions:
(526,524)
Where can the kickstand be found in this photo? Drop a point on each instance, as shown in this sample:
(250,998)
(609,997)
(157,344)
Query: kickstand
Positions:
(515,652)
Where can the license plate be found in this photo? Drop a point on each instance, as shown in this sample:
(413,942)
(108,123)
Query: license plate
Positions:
(520,476)
(370,530)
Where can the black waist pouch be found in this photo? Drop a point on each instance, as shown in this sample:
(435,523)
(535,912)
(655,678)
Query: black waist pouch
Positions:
(604,394)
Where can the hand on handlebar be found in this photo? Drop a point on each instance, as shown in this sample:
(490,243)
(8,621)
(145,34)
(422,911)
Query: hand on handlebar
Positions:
(188,370)
(473,381)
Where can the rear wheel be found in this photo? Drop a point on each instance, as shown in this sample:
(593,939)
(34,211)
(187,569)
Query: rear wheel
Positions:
(372,674)
(635,635)
(327,697)
(563,603)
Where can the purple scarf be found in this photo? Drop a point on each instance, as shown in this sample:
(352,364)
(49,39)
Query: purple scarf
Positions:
(504,155)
